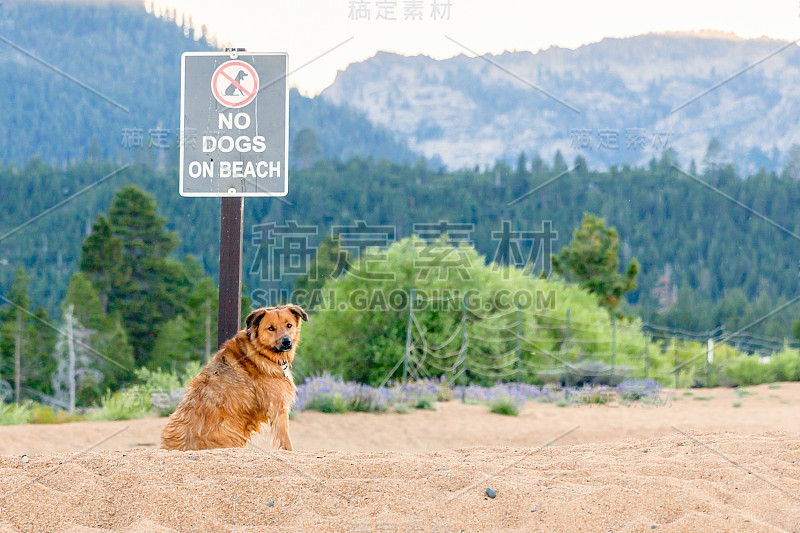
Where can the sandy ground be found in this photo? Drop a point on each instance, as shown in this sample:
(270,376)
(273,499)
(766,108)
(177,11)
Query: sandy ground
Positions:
(698,463)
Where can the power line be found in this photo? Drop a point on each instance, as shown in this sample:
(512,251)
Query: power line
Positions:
(491,344)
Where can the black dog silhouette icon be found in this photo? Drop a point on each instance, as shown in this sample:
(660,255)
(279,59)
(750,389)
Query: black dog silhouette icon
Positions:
(232,88)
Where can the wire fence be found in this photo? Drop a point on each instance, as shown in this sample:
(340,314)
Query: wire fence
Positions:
(464,346)
(529,346)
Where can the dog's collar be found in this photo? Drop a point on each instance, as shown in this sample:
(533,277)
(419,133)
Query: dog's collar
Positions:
(285,367)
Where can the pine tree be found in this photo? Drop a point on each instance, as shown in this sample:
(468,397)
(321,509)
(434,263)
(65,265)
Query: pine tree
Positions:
(592,260)
(26,340)
(792,169)
(101,259)
(41,337)
(106,347)
(21,303)
(171,350)
(143,284)
(201,313)
(559,164)
(713,158)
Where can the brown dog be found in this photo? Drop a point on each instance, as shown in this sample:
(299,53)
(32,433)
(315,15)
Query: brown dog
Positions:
(246,383)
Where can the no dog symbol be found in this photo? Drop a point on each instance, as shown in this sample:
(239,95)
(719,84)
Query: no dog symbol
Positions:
(234,84)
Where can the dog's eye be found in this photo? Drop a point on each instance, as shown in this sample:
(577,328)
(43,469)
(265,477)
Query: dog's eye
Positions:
(288,325)
(271,328)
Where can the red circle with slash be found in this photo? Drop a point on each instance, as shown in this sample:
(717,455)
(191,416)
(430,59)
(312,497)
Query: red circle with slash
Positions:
(234,84)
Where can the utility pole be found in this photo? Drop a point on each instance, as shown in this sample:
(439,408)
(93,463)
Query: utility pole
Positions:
(464,339)
(18,359)
(407,354)
(613,342)
(71,346)
(675,357)
(709,360)
(519,343)
(645,355)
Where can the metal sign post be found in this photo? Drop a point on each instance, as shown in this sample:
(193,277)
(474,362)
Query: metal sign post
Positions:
(234,143)
(231,231)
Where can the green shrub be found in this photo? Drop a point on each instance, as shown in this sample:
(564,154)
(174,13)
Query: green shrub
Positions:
(361,404)
(504,406)
(12,414)
(328,404)
(30,412)
(445,393)
(122,405)
(597,396)
(157,380)
(401,409)
(785,366)
(748,370)
(426,403)
(89,392)
(43,414)
(164,388)
(362,340)
(161,380)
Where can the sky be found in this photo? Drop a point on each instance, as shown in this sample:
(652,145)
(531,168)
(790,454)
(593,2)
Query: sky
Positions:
(324,36)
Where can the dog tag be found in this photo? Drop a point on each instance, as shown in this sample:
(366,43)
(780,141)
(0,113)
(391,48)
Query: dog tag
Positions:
(286,372)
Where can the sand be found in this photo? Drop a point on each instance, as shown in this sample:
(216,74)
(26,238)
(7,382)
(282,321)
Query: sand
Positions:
(691,465)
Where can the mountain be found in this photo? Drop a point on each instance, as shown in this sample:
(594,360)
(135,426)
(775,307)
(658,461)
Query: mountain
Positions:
(124,63)
(342,132)
(103,80)
(473,110)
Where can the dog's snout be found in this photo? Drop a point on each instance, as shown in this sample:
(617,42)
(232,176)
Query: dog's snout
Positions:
(286,342)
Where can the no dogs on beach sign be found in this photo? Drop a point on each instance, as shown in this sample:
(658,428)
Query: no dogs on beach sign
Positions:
(234,124)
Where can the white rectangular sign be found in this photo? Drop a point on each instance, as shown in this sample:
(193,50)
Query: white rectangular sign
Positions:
(234,124)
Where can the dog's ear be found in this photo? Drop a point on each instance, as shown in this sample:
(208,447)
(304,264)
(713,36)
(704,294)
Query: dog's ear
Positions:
(298,311)
(254,318)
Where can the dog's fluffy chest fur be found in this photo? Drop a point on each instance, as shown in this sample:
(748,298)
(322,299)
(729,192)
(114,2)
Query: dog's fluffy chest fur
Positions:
(259,379)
